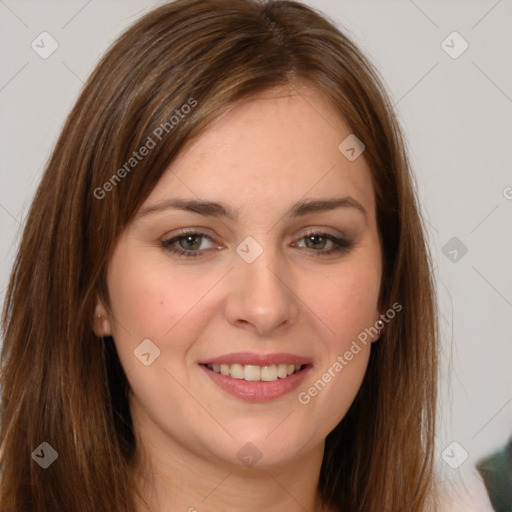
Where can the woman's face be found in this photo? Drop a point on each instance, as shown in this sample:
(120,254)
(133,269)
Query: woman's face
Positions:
(212,305)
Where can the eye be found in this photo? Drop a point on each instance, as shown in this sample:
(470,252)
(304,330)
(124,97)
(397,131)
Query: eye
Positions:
(189,243)
(319,242)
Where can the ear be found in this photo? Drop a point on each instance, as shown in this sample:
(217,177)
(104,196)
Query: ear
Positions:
(101,320)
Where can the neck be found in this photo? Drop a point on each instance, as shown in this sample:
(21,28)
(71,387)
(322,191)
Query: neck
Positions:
(172,477)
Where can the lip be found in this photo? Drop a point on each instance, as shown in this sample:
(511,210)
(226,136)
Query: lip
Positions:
(258,391)
(257,359)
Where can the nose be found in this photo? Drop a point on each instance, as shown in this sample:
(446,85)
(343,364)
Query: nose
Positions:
(261,296)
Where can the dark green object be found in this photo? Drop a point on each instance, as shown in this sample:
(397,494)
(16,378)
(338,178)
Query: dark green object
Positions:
(496,470)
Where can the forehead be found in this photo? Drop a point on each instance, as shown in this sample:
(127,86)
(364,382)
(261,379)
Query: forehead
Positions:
(281,145)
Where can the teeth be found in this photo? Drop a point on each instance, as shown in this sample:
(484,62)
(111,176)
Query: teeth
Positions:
(251,372)
(269,373)
(282,370)
(254,373)
(236,371)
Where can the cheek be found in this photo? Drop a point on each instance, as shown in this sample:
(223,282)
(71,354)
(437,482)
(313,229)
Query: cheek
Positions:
(150,302)
(347,302)
(347,307)
(150,299)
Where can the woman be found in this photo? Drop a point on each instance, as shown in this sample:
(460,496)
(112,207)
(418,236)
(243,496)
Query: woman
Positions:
(222,299)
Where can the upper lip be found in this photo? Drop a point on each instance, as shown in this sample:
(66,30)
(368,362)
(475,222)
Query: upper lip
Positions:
(252,358)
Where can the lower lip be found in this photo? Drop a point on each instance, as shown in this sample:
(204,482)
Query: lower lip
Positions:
(257,391)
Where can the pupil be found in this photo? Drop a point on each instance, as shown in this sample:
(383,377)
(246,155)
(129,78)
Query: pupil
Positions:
(189,240)
(316,239)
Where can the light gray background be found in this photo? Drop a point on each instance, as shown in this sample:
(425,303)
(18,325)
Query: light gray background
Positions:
(457,118)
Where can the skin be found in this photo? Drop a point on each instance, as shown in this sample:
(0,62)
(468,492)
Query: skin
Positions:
(290,299)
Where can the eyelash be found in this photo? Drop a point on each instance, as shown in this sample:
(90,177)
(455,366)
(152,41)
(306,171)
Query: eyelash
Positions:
(340,245)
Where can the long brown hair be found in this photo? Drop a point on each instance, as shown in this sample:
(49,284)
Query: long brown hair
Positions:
(63,386)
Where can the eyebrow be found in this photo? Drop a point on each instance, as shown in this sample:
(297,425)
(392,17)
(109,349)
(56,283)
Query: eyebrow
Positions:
(222,210)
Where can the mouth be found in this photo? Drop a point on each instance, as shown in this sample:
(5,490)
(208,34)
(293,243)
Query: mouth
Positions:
(257,378)
(255,373)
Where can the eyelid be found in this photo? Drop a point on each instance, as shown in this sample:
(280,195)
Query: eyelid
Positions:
(199,232)
(315,230)
(207,233)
